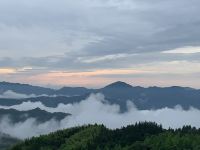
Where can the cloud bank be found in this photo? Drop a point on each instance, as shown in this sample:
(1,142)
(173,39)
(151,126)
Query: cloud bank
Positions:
(11,94)
(95,109)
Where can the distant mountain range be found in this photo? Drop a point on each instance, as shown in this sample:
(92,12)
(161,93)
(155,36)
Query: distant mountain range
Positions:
(47,101)
(116,93)
(37,90)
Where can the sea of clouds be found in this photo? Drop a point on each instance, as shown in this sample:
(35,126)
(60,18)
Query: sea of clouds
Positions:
(95,109)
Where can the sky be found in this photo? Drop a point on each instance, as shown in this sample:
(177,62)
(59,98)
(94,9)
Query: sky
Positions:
(95,42)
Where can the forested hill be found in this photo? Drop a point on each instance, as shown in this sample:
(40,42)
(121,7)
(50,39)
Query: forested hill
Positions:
(141,136)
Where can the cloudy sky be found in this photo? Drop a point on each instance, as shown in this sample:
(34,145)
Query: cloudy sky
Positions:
(95,42)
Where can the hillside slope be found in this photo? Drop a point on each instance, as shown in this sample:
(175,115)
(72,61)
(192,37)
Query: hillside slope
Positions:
(141,136)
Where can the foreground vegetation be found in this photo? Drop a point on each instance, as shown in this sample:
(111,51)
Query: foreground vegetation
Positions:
(141,136)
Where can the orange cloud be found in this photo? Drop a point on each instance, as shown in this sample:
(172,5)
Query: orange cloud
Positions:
(86,78)
(7,70)
(99,78)
(94,73)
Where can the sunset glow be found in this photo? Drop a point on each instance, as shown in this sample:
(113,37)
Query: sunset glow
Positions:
(7,71)
(95,42)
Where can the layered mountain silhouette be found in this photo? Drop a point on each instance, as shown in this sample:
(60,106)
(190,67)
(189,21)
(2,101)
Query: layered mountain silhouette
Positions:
(25,89)
(37,90)
(116,93)
(39,115)
(45,100)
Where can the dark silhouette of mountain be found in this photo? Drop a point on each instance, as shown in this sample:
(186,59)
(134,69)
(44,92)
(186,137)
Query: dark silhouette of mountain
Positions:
(116,93)
(120,91)
(73,91)
(45,100)
(25,89)
(118,84)
(54,101)
(37,90)
(38,114)
(152,97)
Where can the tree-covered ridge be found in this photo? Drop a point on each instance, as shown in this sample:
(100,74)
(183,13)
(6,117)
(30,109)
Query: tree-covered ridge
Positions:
(141,136)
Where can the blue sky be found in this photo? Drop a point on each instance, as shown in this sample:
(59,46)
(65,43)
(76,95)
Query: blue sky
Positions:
(95,42)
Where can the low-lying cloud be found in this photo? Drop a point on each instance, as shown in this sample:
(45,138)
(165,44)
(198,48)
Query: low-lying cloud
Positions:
(12,94)
(95,109)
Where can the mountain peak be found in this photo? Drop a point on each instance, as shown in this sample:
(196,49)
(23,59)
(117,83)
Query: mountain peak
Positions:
(119,84)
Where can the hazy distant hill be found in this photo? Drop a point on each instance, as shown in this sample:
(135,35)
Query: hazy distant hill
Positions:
(152,97)
(73,91)
(6,141)
(47,101)
(38,114)
(25,89)
(118,93)
(37,90)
